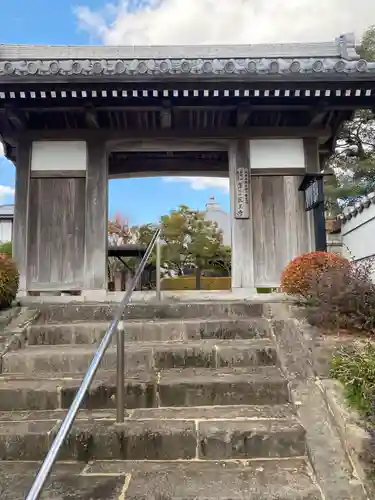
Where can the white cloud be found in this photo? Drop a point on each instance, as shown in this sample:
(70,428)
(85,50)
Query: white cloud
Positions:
(132,22)
(6,191)
(1,149)
(202,183)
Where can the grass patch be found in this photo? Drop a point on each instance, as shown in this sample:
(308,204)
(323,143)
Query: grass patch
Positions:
(354,367)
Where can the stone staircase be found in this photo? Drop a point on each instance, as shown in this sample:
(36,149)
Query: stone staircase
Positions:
(208,409)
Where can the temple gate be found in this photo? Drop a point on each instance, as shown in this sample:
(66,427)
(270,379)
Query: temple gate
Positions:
(266,115)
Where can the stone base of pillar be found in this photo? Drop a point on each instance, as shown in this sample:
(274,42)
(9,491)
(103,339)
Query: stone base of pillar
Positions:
(94,295)
(243,293)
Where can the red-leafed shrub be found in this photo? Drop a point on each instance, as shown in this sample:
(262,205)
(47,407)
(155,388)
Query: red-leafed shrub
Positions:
(344,299)
(304,270)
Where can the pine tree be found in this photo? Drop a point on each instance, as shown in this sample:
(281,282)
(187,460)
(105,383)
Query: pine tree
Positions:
(353,161)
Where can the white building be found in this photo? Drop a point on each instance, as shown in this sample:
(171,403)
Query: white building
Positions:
(6,223)
(358,231)
(216,214)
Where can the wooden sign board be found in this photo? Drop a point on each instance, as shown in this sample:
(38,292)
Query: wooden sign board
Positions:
(312,187)
(313,194)
(242,200)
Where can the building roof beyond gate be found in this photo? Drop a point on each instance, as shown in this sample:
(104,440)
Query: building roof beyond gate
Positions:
(331,60)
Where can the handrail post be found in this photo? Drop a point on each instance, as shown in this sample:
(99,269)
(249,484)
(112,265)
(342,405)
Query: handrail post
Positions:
(158,267)
(120,374)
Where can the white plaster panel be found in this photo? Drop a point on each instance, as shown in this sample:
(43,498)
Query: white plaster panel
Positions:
(358,235)
(59,155)
(6,228)
(276,154)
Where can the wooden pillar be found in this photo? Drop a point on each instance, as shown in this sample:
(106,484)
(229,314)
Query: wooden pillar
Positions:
(96,220)
(282,228)
(299,223)
(21,212)
(312,162)
(242,230)
(269,201)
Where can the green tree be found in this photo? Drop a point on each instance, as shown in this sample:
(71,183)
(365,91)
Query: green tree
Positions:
(189,240)
(367,47)
(222,261)
(353,161)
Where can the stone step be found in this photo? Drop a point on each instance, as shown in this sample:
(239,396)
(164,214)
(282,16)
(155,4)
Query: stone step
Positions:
(161,330)
(191,480)
(75,358)
(233,412)
(256,434)
(65,313)
(173,387)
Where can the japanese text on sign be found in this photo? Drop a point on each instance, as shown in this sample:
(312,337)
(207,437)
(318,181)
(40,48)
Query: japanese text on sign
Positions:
(242,194)
(312,195)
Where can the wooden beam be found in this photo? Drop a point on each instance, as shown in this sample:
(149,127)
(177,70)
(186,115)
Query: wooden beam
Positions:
(212,107)
(243,114)
(183,133)
(204,172)
(166,118)
(59,174)
(91,117)
(16,118)
(157,166)
(310,146)
(318,113)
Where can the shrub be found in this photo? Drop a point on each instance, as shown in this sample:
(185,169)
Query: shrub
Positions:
(8,280)
(343,298)
(302,271)
(6,248)
(354,367)
(189,283)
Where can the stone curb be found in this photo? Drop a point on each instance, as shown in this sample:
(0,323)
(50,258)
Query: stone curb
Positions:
(357,441)
(13,337)
(333,468)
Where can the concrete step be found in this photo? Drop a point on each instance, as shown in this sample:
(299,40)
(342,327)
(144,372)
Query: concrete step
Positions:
(160,330)
(174,387)
(65,313)
(193,480)
(146,436)
(233,412)
(75,358)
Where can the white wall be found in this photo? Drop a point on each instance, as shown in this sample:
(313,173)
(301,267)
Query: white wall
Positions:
(5,231)
(358,235)
(277,154)
(222,219)
(58,155)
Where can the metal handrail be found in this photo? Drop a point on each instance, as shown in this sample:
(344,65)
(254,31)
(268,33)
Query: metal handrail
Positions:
(50,459)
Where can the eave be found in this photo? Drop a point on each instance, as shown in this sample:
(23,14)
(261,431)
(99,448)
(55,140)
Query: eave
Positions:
(331,61)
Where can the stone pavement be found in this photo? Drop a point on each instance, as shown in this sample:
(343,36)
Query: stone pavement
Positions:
(261,480)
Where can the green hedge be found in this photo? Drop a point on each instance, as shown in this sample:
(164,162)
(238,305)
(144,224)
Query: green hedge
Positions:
(189,283)
(207,283)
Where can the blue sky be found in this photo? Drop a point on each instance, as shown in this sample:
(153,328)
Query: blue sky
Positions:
(140,200)
(167,22)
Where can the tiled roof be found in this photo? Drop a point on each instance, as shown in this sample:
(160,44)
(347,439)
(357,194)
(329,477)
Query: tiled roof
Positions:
(316,59)
(353,211)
